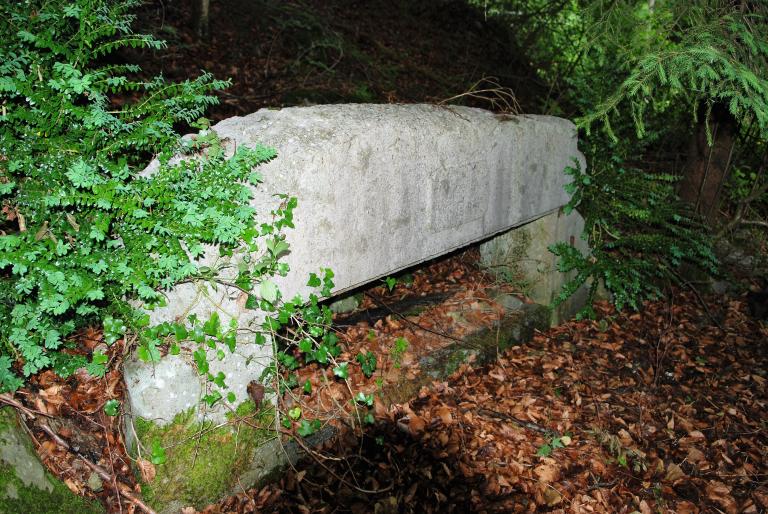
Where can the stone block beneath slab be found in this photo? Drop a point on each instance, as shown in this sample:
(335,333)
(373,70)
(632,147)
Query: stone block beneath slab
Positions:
(521,257)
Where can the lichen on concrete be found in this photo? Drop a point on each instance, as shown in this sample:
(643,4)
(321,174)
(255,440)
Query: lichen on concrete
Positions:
(204,460)
(25,485)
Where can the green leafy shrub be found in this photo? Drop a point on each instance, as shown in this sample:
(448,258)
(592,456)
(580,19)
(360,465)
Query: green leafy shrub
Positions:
(638,236)
(648,74)
(84,232)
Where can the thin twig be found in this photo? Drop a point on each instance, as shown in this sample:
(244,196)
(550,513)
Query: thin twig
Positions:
(700,299)
(506,417)
(312,454)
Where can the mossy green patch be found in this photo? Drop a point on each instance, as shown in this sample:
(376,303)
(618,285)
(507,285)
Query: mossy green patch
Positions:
(204,460)
(25,485)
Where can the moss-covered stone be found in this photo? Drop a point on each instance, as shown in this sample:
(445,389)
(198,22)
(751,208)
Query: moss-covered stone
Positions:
(25,485)
(205,461)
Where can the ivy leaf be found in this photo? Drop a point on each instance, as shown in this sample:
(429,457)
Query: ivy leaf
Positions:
(364,398)
(269,291)
(307,428)
(148,353)
(180,332)
(305,345)
(111,407)
(219,380)
(341,371)
(113,329)
(212,398)
(201,359)
(212,327)
(544,450)
(314,280)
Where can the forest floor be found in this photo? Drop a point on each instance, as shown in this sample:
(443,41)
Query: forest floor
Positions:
(657,411)
(283,53)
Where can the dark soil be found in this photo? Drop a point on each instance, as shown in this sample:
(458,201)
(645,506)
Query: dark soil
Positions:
(282,53)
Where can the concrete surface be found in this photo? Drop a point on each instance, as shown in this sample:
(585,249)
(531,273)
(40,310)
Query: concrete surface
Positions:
(520,257)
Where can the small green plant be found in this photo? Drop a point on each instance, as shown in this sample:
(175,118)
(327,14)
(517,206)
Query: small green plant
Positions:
(367,363)
(86,234)
(398,349)
(633,262)
(553,443)
(624,456)
(112,407)
(308,427)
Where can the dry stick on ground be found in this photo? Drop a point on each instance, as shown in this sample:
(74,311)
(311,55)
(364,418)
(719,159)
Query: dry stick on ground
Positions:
(661,355)
(700,299)
(103,474)
(512,419)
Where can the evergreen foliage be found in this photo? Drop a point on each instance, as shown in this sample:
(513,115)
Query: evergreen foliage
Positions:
(641,70)
(83,231)
(637,234)
(719,54)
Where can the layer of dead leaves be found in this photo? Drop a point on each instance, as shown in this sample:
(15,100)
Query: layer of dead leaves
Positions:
(654,412)
(75,439)
(467,307)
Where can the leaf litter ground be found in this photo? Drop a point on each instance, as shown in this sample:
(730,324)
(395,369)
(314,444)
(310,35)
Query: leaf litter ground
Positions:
(663,410)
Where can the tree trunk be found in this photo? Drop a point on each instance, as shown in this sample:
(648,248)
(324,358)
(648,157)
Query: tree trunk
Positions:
(201,19)
(706,167)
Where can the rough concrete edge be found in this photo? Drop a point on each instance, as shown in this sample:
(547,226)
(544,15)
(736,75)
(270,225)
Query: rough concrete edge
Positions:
(39,490)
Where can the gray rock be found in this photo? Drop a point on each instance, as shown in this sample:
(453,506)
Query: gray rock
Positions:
(509,302)
(345,305)
(521,257)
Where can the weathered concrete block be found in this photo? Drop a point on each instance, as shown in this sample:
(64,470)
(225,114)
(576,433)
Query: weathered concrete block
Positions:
(384,187)
(380,188)
(520,256)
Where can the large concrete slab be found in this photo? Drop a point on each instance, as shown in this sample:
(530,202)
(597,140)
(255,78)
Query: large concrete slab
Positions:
(380,188)
(384,187)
